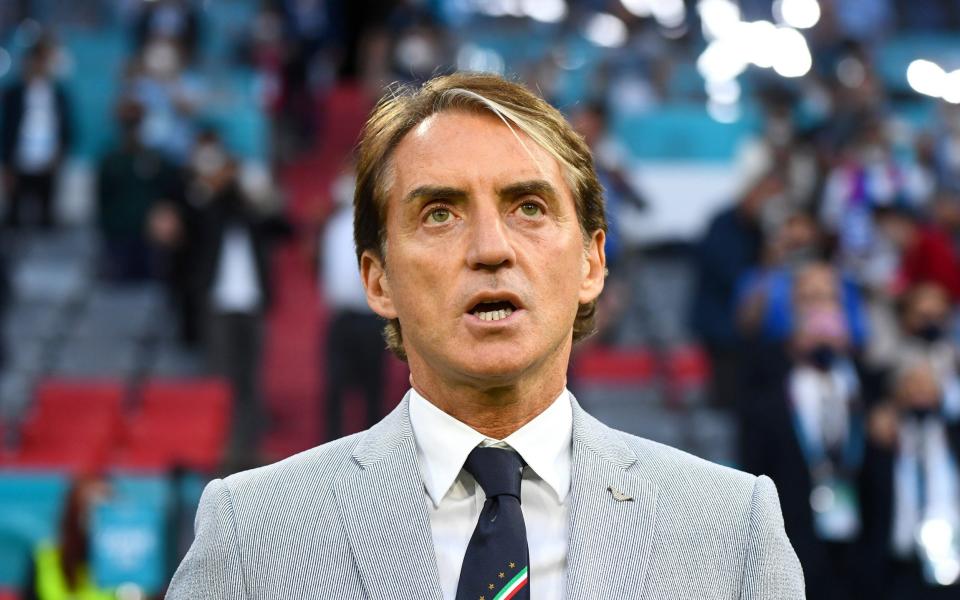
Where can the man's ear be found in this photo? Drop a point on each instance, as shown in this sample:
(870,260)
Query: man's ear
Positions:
(374,276)
(594,268)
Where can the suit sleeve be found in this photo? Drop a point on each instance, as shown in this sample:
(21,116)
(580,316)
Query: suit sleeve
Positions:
(212,567)
(771,570)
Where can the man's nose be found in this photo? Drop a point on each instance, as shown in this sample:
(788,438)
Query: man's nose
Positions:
(489,242)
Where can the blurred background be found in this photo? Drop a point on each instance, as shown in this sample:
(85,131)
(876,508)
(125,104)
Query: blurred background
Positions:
(178,287)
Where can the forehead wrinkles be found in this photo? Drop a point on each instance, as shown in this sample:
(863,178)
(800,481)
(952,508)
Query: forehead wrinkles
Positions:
(417,147)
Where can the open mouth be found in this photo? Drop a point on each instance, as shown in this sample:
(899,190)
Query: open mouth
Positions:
(493,310)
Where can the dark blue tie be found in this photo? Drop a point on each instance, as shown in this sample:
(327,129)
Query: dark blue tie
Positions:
(496,566)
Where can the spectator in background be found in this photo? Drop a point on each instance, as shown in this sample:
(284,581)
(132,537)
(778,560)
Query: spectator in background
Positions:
(925,312)
(926,252)
(805,430)
(63,570)
(765,305)
(170,98)
(174,20)
(731,246)
(35,136)
(911,492)
(868,178)
(613,173)
(230,270)
(130,181)
(355,351)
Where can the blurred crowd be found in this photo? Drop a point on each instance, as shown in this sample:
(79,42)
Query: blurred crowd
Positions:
(826,300)
(826,291)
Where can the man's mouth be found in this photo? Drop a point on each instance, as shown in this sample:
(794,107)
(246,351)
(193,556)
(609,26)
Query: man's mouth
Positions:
(493,310)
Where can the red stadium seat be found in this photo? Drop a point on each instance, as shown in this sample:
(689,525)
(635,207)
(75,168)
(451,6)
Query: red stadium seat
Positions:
(72,427)
(615,366)
(687,367)
(180,423)
(186,395)
(77,396)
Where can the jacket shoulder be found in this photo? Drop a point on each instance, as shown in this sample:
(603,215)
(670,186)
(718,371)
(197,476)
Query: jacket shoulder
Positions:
(311,469)
(693,481)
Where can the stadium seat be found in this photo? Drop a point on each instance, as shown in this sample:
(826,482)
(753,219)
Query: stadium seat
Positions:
(72,397)
(614,366)
(179,424)
(72,427)
(686,373)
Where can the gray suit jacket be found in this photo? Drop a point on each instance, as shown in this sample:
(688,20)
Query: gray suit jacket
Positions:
(349,520)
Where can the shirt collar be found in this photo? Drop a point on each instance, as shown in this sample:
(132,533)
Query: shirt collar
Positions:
(443,444)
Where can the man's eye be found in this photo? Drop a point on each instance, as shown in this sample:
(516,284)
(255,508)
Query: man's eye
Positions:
(531,209)
(439,215)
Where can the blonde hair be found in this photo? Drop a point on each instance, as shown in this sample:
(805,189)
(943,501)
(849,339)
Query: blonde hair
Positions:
(403,108)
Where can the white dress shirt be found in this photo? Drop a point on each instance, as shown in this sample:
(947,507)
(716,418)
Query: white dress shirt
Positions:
(455,500)
(235,287)
(342,286)
(37,144)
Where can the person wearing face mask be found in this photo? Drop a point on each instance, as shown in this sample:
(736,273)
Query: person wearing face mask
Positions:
(730,247)
(131,179)
(925,311)
(806,432)
(868,179)
(911,491)
(926,251)
(228,240)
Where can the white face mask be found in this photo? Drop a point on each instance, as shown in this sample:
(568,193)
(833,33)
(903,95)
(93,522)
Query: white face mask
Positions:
(161,59)
(208,160)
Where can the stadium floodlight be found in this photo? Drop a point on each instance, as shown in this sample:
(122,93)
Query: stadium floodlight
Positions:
(545,11)
(800,14)
(926,77)
(604,29)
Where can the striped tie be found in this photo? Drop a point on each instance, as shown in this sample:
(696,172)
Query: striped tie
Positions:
(496,566)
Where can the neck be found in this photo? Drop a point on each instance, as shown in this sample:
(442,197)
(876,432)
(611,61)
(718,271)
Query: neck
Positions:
(495,409)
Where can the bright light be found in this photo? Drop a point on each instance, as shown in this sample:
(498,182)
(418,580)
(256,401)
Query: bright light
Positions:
(604,29)
(946,571)
(500,8)
(721,61)
(547,11)
(639,8)
(756,41)
(791,54)
(926,78)
(719,17)
(936,536)
(669,13)
(801,14)
(723,113)
(482,60)
(724,92)
(951,87)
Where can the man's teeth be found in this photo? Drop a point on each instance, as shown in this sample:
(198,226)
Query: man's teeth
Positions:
(494,315)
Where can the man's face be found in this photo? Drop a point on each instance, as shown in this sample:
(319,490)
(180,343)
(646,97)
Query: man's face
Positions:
(486,263)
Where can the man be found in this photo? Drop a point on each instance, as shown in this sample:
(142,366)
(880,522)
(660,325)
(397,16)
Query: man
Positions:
(480,229)
(34,137)
(355,358)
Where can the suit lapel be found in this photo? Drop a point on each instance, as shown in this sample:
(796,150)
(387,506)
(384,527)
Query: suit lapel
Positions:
(610,539)
(384,508)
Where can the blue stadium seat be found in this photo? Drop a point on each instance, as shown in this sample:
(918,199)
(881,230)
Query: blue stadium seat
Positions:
(680,132)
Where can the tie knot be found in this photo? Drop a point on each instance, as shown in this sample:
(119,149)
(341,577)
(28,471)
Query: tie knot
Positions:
(497,470)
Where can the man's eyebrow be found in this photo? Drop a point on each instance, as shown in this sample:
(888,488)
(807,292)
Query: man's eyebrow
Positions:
(433,192)
(534,187)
